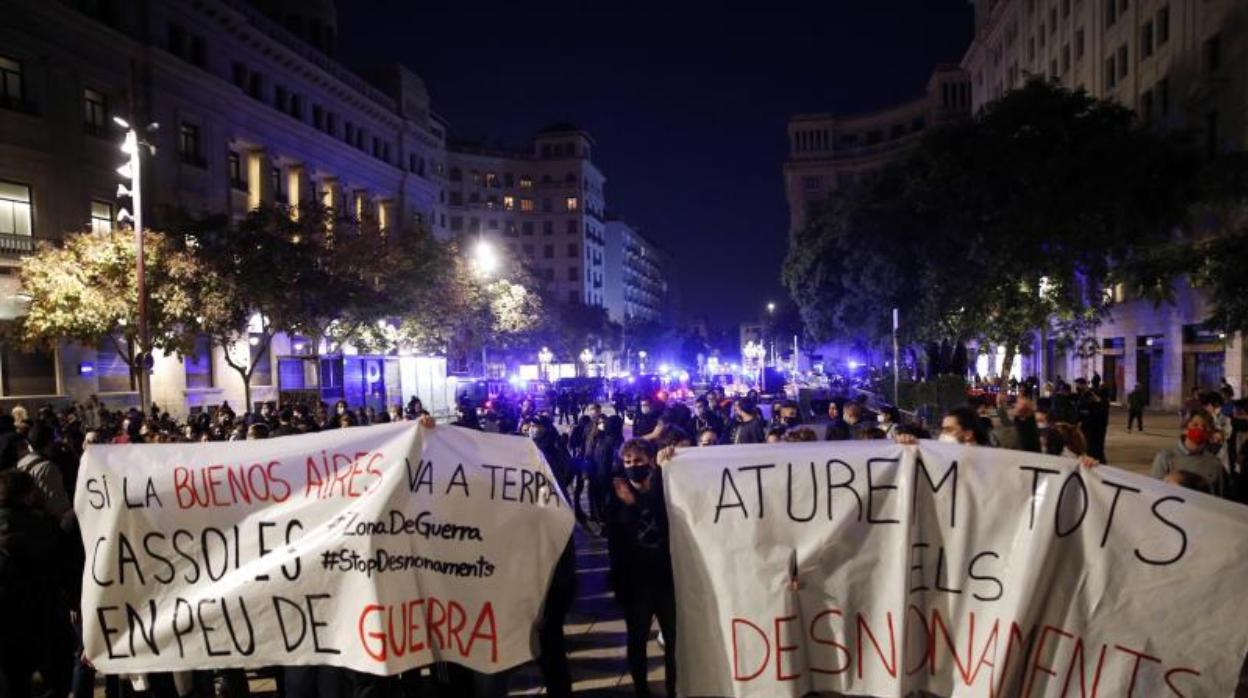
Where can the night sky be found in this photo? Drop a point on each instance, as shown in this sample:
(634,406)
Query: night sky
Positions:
(687,102)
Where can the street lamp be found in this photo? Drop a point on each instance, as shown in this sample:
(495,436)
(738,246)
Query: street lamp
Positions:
(132,170)
(544,357)
(485,259)
(771,315)
(587,356)
(641,360)
(754,354)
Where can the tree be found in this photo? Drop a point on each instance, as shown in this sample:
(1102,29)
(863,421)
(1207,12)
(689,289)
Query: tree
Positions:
(995,226)
(338,279)
(84,291)
(458,311)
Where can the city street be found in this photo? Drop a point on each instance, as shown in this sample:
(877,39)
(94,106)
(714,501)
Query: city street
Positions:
(595,627)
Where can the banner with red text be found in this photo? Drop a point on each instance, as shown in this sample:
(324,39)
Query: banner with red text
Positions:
(380,549)
(877,569)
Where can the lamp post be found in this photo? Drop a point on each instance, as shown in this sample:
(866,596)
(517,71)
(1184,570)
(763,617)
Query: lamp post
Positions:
(587,356)
(486,262)
(754,354)
(544,357)
(133,171)
(771,317)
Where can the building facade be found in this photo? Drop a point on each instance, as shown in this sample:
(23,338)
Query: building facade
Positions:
(636,276)
(829,152)
(543,205)
(252,108)
(1179,64)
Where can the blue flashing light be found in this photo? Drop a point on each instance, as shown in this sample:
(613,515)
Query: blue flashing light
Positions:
(853,364)
(86,368)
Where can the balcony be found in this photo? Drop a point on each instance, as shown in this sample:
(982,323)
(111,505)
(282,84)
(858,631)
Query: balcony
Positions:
(19,104)
(16,244)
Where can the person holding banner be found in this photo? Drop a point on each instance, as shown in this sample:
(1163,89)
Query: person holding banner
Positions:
(1196,453)
(641,564)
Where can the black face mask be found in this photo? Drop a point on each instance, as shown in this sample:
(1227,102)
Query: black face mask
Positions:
(791,421)
(638,473)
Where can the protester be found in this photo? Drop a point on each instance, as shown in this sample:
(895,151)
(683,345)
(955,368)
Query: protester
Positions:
(641,567)
(1196,452)
(1137,400)
(748,428)
(837,429)
(35,633)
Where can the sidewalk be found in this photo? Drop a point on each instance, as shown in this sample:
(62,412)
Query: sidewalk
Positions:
(1134,450)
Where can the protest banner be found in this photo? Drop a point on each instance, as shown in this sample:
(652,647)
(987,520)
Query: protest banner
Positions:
(877,569)
(380,549)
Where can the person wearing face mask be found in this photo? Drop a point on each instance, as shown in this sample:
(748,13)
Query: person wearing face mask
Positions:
(647,418)
(790,415)
(705,419)
(749,428)
(961,425)
(605,440)
(641,566)
(886,421)
(1195,453)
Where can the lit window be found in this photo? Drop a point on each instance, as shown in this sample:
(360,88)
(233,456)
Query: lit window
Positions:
(95,111)
(526,182)
(509,203)
(101,217)
(15,212)
(10,82)
(526,205)
(571,203)
(491,179)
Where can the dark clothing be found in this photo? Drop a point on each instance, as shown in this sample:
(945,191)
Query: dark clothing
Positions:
(553,657)
(637,539)
(641,576)
(751,432)
(1094,421)
(709,420)
(1135,417)
(10,449)
(640,608)
(837,430)
(645,423)
(36,633)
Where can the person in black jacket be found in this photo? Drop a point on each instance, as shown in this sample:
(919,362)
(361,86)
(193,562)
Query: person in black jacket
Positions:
(837,429)
(641,564)
(647,418)
(749,428)
(704,418)
(36,633)
(605,441)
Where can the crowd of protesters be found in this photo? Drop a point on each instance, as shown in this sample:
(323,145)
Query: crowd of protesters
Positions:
(41,554)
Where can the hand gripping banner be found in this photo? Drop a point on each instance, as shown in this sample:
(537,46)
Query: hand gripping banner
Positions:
(877,569)
(380,549)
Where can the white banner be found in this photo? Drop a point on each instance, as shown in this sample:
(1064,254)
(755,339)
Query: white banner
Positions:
(876,569)
(380,549)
